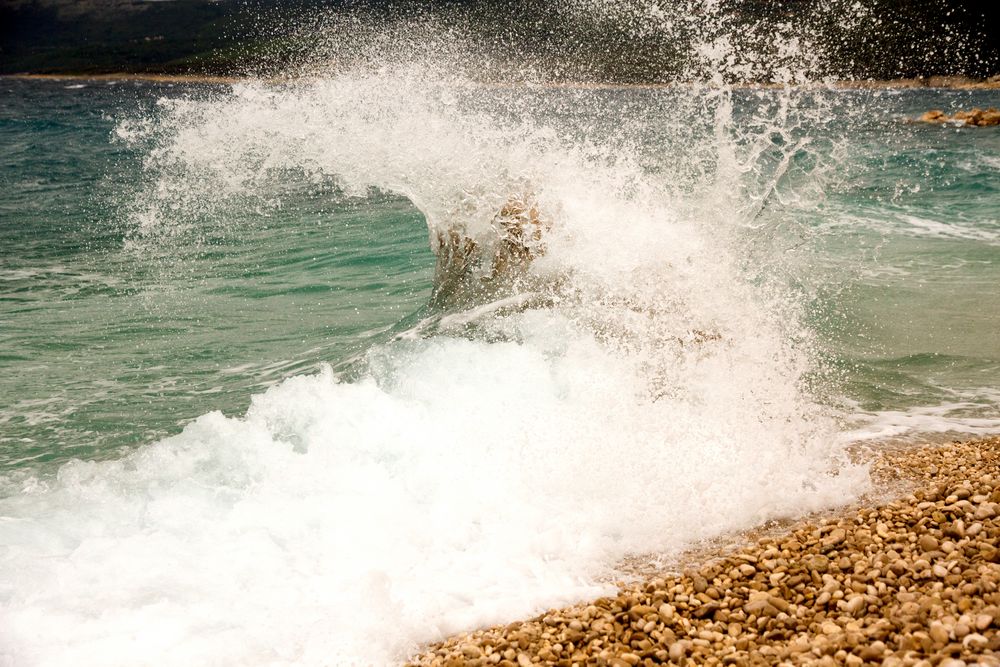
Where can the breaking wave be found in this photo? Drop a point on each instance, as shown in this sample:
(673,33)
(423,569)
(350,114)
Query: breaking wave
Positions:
(601,371)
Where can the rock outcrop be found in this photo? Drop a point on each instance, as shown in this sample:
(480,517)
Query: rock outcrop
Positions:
(976,117)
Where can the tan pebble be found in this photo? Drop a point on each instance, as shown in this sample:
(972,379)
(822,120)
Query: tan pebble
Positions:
(873,651)
(666,611)
(471,651)
(983,621)
(523,660)
(985,512)
(938,633)
(975,642)
(830,628)
(818,562)
(855,605)
(640,610)
(940,571)
(747,570)
(836,536)
(952,662)
(955,529)
(853,661)
(928,542)
(677,651)
(760,608)
(780,604)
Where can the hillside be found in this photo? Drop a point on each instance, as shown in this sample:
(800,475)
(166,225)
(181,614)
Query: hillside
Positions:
(913,37)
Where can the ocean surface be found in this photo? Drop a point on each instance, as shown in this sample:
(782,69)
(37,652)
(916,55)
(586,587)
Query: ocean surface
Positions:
(251,413)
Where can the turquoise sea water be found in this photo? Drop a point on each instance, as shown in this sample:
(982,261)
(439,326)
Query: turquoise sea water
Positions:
(103,348)
(734,287)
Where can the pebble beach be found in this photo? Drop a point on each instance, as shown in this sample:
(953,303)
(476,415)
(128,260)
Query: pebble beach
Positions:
(909,578)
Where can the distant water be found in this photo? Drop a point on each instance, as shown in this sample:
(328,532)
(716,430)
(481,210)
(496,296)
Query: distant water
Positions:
(239,424)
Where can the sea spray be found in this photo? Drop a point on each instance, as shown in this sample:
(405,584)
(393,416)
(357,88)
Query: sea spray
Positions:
(498,459)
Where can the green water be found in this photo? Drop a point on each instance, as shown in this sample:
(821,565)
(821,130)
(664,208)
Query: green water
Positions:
(238,425)
(103,348)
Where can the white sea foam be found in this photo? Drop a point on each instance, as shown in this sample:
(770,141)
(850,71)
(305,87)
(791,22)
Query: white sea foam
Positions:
(969,413)
(465,478)
(467,483)
(937,229)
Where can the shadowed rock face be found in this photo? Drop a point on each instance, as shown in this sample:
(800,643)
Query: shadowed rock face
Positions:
(975,117)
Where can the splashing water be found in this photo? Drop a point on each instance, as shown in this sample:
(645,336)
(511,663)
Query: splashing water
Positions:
(641,379)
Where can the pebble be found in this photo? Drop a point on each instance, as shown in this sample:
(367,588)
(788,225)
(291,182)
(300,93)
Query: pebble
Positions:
(837,536)
(904,584)
(928,543)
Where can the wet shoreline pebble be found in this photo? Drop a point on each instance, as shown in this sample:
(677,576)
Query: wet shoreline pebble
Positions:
(914,581)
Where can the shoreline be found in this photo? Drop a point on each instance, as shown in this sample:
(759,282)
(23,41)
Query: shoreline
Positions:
(930,83)
(124,76)
(909,575)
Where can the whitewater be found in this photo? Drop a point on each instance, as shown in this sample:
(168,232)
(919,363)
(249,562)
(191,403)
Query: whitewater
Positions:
(658,375)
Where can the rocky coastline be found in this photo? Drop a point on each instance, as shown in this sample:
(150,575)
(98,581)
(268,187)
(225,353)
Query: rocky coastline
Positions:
(973,117)
(912,580)
(942,82)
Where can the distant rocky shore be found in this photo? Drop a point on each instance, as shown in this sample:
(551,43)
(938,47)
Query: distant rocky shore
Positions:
(126,76)
(949,82)
(952,82)
(974,117)
(914,581)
